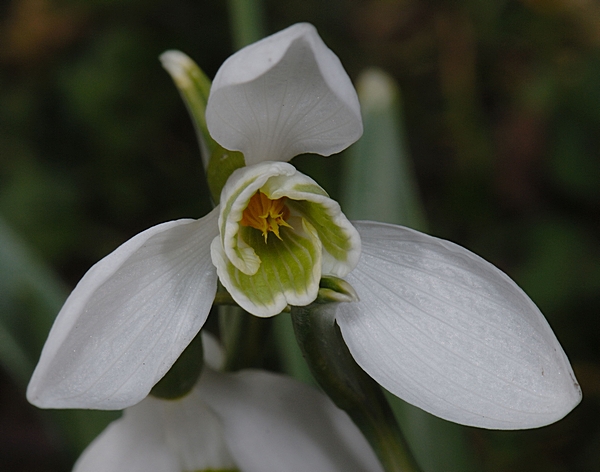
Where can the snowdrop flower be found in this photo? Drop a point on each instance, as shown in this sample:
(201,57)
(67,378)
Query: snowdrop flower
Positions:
(251,421)
(435,325)
(279,232)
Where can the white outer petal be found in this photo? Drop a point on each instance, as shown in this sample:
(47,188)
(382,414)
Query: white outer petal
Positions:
(133,443)
(129,319)
(274,423)
(282,96)
(160,436)
(448,332)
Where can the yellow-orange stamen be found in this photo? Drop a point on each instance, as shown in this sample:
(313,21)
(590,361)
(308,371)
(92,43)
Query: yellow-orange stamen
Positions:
(265,214)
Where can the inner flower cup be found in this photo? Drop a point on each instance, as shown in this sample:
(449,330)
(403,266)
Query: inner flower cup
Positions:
(311,238)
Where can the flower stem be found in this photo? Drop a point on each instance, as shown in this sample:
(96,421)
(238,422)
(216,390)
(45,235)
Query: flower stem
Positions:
(350,388)
(244,337)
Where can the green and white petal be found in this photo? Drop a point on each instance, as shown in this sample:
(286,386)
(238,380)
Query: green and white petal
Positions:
(289,272)
(264,273)
(285,95)
(240,187)
(340,240)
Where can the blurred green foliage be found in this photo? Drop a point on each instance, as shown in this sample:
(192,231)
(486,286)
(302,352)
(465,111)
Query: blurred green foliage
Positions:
(501,107)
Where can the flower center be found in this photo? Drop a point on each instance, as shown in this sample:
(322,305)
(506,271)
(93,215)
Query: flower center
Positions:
(265,214)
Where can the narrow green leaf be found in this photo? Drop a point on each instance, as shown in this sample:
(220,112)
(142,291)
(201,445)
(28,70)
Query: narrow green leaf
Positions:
(30,298)
(247,21)
(379,182)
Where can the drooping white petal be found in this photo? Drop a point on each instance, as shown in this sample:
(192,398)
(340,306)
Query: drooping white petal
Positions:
(445,330)
(129,319)
(273,423)
(285,95)
(133,443)
(160,436)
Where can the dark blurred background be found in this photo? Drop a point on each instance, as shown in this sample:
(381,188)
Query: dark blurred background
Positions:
(502,113)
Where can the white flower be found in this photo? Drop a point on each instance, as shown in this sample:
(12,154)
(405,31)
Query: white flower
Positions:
(251,421)
(436,325)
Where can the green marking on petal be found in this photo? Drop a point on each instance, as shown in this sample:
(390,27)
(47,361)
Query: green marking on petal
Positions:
(335,238)
(310,188)
(298,187)
(289,272)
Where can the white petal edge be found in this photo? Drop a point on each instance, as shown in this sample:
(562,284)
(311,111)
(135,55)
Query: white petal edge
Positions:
(129,319)
(274,423)
(446,331)
(282,96)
